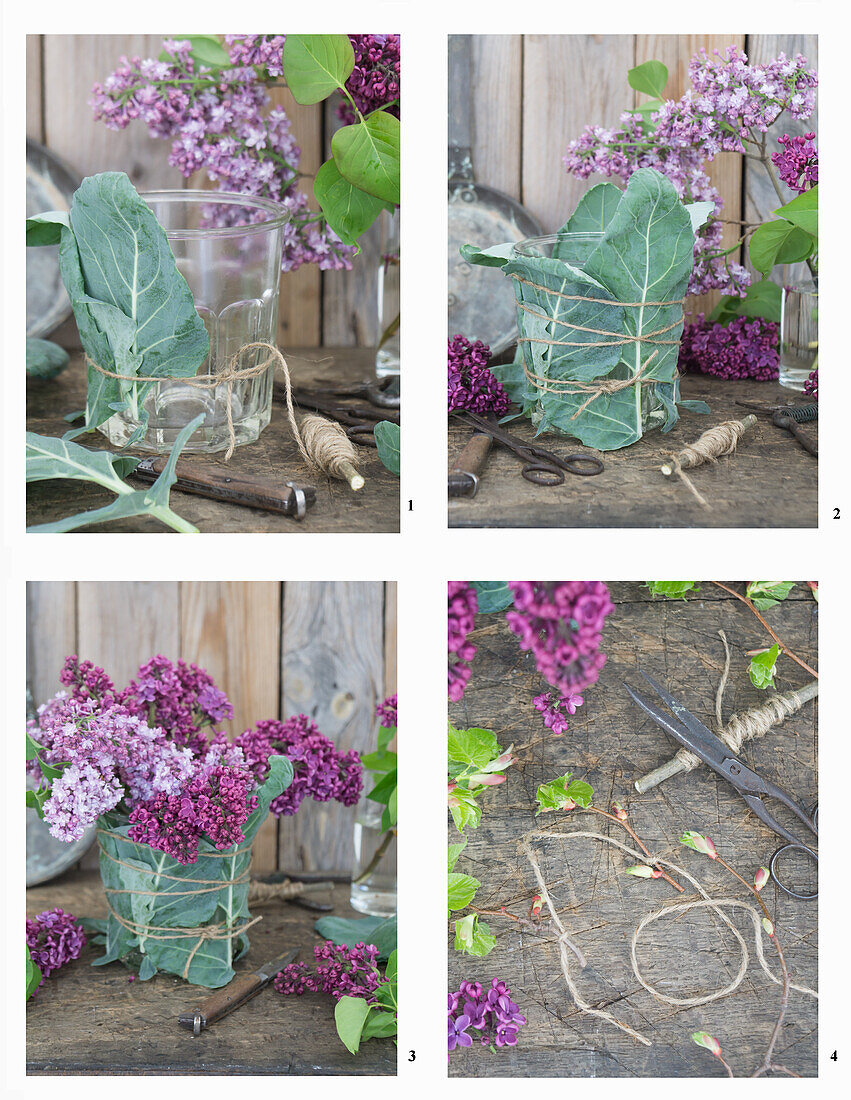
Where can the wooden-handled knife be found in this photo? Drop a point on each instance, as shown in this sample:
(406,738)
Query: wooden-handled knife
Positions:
(202,480)
(234,995)
(467,468)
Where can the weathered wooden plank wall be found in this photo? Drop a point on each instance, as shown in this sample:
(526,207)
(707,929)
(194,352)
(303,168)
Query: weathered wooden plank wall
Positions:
(532,94)
(327,650)
(333,308)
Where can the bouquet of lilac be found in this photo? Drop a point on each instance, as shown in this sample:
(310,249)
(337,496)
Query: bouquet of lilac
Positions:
(176,805)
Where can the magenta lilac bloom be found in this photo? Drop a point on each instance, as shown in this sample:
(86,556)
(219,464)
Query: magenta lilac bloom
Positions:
(560,623)
(728,106)
(797,165)
(472,387)
(320,771)
(386,712)
(811,385)
(374,82)
(488,1011)
(745,348)
(54,938)
(341,971)
(463,605)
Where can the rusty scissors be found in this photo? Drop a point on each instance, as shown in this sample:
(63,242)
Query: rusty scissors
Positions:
(542,467)
(711,750)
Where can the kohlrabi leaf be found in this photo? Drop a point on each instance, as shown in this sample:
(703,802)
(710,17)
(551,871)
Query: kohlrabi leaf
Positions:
(493,595)
(49,458)
(45,359)
(497,255)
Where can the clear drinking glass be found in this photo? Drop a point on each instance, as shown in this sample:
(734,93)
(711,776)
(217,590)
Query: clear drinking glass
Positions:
(387,356)
(799,328)
(228,248)
(374,869)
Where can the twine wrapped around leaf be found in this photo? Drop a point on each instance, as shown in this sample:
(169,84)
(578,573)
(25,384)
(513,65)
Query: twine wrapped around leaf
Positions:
(228,377)
(597,387)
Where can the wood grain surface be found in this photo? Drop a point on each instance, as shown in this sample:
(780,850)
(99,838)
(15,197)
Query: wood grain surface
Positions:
(274,456)
(610,744)
(276,648)
(61,70)
(770,482)
(97,1021)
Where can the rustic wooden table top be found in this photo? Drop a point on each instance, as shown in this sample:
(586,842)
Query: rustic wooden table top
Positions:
(610,744)
(274,456)
(95,1020)
(771,482)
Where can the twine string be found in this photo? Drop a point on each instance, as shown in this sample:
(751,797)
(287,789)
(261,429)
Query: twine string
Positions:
(598,387)
(717,905)
(228,377)
(201,932)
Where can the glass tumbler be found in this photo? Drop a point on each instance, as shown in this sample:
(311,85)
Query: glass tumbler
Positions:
(373,887)
(228,248)
(799,340)
(387,355)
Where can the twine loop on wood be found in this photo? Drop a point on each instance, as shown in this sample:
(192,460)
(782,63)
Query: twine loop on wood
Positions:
(202,932)
(228,377)
(597,387)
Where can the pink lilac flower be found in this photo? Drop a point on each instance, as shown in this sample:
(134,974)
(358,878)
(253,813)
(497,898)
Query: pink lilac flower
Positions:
(811,385)
(341,971)
(374,82)
(219,121)
(472,387)
(110,755)
(463,605)
(386,712)
(797,165)
(491,1013)
(182,699)
(320,771)
(744,348)
(54,938)
(561,623)
(729,104)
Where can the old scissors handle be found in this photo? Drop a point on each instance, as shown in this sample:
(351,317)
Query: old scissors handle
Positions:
(781,851)
(697,738)
(541,466)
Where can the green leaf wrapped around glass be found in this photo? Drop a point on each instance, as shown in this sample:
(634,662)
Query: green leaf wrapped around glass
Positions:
(600,313)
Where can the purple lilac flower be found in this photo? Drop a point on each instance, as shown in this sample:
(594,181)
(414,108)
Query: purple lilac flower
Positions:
(463,605)
(472,387)
(110,755)
(181,699)
(86,680)
(320,771)
(386,712)
(811,385)
(220,121)
(264,51)
(215,804)
(490,1012)
(341,971)
(54,938)
(744,348)
(561,623)
(729,103)
(797,165)
(375,78)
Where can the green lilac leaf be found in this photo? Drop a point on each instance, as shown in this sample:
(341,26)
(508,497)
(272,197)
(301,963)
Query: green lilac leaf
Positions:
(493,596)
(461,890)
(385,736)
(379,761)
(392,969)
(767,594)
(379,1025)
(762,667)
(208,51)
(45,359)
(387,441)
(316,65)
(381,932)
(384,788)
(350,1015)
(367,154)
(649,78)
(455,851)
(472,746)
(33,749)
(802,211)
(347,209)
(673,590)
(778,242)
(33,975)
(558,792)
(762,299)
(473,936)
(467,812)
